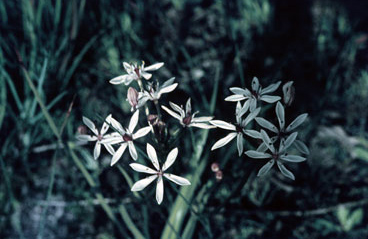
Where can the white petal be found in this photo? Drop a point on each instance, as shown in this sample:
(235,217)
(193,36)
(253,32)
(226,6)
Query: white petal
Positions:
(109,149)
(154,67)
(142,132)
(271,88)
(240,91)
(270,98)
(280,112)
(143,183)
(255,84)
(112,139)
(170,159)
(223,125)
(117,126)
(127,67)
(105,125)
(285,171)
(85,137)
(119,79)
(257,155)
(252,104)
(129,79)
(293,158)
(202,119)
(298,121)
(252,133)
(159,190)
(117,155)
(133,121)
(251,116)
(177,108)
(202,125)
(224,141)
(146,75)
(168,88)
(266,168)
(172,113)
(97,150)
(239,143)
(176,179)
(132,150)
(142,168)
(266,124)
(235,98)
(151,152)
(90,125)
(266,139)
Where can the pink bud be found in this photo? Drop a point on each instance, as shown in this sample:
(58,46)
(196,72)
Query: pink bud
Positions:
(82,129)
(215,167)
(219,175)
(133,97)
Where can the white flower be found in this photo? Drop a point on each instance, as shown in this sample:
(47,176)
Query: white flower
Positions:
(135,72)
(186,118)
(276,155)
(238,129)
(154,93)
(256,94)
(282,132)
(99,136)
(157,173)
(126,137)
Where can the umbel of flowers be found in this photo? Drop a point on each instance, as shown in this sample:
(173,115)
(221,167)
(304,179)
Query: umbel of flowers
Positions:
(121,138)
(277,148)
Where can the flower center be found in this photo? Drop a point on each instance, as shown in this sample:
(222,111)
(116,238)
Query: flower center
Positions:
(127,137)
(99,137)
(160,173)
(187,119)
(136,70)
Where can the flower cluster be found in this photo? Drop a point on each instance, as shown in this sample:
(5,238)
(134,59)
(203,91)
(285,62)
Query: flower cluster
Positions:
(122,138)
(276,148)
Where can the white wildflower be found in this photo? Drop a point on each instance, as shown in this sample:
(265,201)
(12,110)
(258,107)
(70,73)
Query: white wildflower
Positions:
(154,93)
(276,155)
(135,72)
(238,129)
(157,173)
(257,93)
(98,137)
(125,137)
(186,118)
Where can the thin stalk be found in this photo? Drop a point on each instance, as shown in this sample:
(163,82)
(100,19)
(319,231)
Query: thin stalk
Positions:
(129,223)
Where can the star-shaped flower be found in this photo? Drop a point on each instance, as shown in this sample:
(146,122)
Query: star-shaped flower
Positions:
(276,155)
(154,93)
(135,72)
(98,137)
(256,94)
(125,137)
(186,118)
(157,173)
(283,132)
(238,129)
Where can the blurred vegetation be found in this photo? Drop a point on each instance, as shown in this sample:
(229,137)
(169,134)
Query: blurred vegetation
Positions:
(56,58)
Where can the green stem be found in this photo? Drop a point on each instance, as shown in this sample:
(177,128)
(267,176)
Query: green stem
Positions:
(129,223)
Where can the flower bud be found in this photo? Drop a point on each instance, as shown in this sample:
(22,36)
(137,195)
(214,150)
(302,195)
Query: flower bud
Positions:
(219,175)
(82,129)
(289,92)
(215,167)
(133,97)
